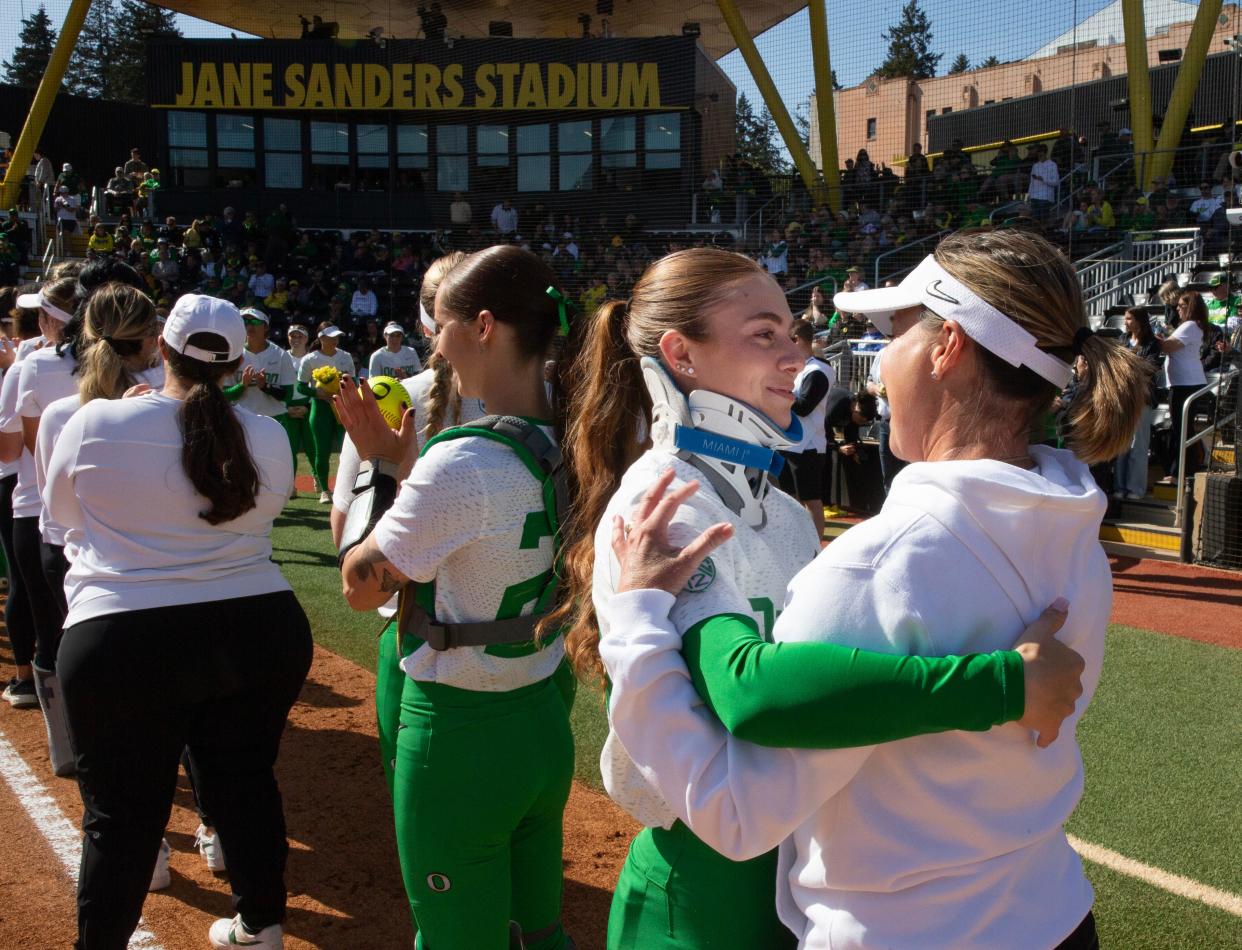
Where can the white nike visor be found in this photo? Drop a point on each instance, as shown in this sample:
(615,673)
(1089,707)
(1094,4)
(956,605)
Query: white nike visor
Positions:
(930,285)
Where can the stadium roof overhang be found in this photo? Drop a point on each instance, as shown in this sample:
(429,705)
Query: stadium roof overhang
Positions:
(543,19)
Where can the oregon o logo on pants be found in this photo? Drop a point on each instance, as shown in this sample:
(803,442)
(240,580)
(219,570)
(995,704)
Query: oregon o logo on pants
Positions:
(439,882)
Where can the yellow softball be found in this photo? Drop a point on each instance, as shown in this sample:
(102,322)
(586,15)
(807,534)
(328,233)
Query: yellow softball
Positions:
(391,398)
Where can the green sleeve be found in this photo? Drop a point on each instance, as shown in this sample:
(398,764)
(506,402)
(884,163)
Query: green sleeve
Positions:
(307,390)
(830,696)
(234,392)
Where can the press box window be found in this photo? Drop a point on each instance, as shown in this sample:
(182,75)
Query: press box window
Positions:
(534,161)
(493,146)
(412,146)
(618,142)
(574,141)
(329,143)
(452,158)
(372,156)
(662,140)
(187,148)
(282,153)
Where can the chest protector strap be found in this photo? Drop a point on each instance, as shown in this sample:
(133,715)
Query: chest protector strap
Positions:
(542,457)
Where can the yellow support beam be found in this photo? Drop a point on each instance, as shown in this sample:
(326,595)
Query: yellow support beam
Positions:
(1139,81)
(763,79)
(45,95)
(1184,88)
(825,107)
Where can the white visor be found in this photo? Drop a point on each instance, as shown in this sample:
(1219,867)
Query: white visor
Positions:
(930,285)
(394,328)
(37,301)
(425,319)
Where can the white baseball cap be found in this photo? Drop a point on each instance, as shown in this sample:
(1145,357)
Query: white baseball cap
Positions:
(198,313)
(394,327)
(930,285)
(331,331)
(37,301)
(254,313)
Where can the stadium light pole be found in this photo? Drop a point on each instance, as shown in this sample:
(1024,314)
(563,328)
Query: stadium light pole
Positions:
(763,79)
(1184,87)
(41,106)
(825,107)
(1139,81)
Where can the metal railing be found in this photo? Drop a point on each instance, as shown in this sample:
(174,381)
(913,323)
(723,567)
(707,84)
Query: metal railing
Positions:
(851,364)
(1218,387)
(1140,262)
(903,249)
(49,258)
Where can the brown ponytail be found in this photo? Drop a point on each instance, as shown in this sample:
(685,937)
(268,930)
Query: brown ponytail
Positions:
(1108,403)
(214,452)
(609,409)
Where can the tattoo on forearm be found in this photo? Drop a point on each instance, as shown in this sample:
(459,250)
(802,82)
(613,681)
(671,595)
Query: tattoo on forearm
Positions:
(388,583)
(369,560)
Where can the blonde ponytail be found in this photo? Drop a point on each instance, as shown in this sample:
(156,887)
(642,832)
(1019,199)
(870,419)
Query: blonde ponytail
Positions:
(1109,401)
(116,320)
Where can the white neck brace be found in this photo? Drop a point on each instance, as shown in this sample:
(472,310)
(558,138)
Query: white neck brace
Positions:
(732,444)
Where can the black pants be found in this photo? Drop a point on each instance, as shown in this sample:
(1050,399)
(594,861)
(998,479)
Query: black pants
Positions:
(217,678)
(890,464)
(1084,936)
(55,566)
(17,619)
(1177,399)
(46,616)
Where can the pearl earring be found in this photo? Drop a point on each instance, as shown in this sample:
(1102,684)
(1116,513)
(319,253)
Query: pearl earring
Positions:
(935,375)
(689,370)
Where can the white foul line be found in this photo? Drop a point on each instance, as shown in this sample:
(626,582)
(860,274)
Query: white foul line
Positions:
(64,838)
(1173,883)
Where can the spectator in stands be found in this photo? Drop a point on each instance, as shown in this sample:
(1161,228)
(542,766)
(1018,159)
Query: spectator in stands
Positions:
(505,218)
(1006,178)
(18,233)
(120,190)
(67,205)
(1206,204)
(1183,368)
(231,230)
(364,304)
(10,263)
(1222,304)
(171,232)
(1044,182)
(818,313)
(461,215)
(261,283)
(101,242)
(69,179)
(1130,474)
(916,164)
(1099,214)
(147,187)
(135,169)
(775,256)
(45,174)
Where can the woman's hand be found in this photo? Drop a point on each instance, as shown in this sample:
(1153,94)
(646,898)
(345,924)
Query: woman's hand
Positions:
(371,434)
(140,389)
(8,353)
(1052,674)
(648,561)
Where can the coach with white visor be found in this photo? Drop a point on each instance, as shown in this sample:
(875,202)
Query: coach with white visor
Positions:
(954,840)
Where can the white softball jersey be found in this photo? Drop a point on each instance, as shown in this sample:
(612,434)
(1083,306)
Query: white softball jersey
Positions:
(343,362)
(383,361)
(460,520)
(29,386)
(952,840)
(747,575)
(116,482)
(276,365)
(25,502)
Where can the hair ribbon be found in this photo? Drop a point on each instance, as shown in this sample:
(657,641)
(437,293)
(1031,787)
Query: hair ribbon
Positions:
(562,309)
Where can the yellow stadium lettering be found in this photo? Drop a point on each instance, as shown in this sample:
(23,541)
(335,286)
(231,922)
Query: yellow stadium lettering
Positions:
(640,90)
(207,90)
(402,86)
(426,86)
(560,86)
(508,73)
(348,85)
(319,88)
(485,89)
(185,95)
(236,86)
(454,94)
(295,89)
(584,84)
(531,95)
(601,97)
(262,85)
(378,86)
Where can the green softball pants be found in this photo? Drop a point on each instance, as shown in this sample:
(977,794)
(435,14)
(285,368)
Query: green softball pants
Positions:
(299,434)
(479,785)
(325,433)
(676,893)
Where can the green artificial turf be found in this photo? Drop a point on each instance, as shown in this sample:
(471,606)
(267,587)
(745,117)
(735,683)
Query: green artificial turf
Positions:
(1160,743)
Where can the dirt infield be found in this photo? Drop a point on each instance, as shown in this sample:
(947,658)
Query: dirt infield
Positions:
(343,874)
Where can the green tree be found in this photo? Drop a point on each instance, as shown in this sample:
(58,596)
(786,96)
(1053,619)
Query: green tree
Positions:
(990,61)
(758,139)
(909,46)
(960,65)
(136,22)
(33,50)
(90,71)
(835,84)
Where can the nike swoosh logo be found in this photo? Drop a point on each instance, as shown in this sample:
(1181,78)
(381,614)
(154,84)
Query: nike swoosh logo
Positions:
(934,289)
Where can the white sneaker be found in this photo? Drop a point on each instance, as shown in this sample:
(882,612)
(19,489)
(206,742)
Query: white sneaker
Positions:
(325,498)
(226,933)
(208,844)
(160,877)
